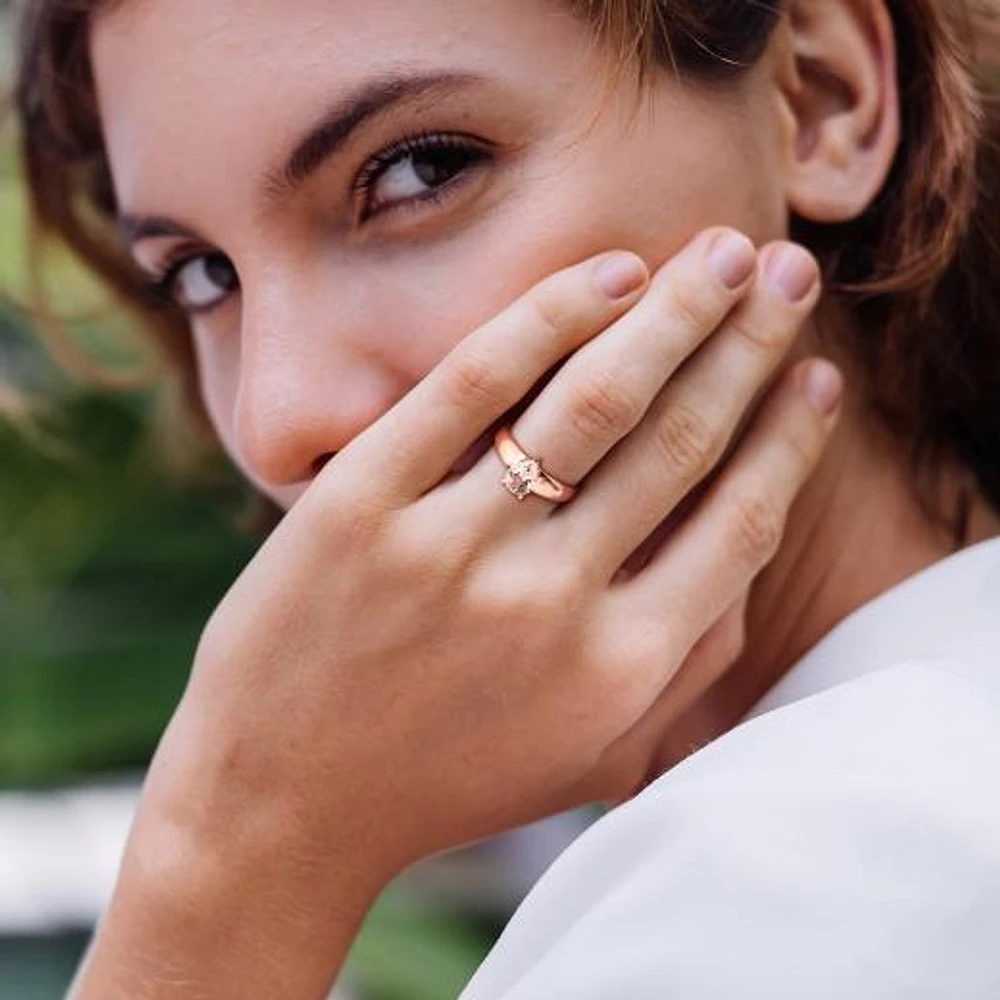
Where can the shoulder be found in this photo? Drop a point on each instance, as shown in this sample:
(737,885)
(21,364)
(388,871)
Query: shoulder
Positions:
(847,844)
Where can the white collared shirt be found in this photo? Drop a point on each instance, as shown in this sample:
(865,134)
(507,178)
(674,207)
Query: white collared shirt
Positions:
(841,843)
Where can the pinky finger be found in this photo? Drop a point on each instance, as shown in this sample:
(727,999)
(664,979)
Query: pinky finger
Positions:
(736,528)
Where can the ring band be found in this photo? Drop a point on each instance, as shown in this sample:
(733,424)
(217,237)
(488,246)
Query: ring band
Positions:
(525,474)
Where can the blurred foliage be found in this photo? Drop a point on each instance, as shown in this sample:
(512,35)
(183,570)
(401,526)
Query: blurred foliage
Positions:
(108,566)
(412,950)
(107,574)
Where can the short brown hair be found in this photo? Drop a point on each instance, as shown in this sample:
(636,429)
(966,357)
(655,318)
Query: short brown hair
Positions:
(920,269)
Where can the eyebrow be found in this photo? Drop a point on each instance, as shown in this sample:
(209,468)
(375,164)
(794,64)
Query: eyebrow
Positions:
(322,141)
(134,228)
(333,130)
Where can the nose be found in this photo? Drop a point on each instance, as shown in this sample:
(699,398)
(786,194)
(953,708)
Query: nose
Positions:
(307,386)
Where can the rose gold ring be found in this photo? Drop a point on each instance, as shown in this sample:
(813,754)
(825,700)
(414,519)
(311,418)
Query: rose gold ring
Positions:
(525,474)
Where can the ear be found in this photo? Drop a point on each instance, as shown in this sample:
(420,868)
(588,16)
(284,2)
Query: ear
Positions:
(838,81)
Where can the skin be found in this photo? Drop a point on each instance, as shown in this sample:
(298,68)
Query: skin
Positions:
(339,378)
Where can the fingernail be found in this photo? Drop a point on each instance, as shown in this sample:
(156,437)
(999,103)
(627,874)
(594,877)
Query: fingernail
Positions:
(620,274)
(792,271)
(823,386)
(732,259)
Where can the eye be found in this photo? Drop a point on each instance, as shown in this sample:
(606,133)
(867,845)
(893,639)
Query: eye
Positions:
(199,284)
(415,170)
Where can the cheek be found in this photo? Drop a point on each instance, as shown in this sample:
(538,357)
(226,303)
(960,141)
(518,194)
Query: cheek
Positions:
(640,196)
(651,193)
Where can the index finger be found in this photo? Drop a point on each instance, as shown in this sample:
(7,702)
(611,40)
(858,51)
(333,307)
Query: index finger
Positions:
(418,441)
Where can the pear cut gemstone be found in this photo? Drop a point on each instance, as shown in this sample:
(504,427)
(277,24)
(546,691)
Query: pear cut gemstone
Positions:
(520,476)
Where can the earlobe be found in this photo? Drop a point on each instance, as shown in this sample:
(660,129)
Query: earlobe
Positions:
(843,98)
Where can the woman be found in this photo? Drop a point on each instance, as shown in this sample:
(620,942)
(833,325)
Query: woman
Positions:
(331,195)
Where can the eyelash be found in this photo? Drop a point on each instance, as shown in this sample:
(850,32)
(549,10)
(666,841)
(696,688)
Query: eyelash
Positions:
(421,142)
(161,283)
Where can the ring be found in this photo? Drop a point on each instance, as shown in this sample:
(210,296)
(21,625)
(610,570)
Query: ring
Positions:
(525,474)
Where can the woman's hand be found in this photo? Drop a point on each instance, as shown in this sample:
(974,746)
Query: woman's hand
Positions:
(415,660)
(446,662)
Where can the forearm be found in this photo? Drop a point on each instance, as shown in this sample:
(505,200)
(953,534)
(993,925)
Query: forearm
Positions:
(195,919)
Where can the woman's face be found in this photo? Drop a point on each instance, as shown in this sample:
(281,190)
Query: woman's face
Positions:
(352,186)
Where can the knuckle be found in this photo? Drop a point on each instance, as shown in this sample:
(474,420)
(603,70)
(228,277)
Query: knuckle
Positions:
(804,438)
(689,306)
(424,553)
(552,310)
(758,527)
(347,526)
(555,592)
(686,440)
(803,446)
(472,382)
(495,599)
(568,583)
(530,603)
(599,409)
(768,335)
(636,653)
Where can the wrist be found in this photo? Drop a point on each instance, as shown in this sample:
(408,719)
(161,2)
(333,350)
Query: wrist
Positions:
(191,918)
(227,902)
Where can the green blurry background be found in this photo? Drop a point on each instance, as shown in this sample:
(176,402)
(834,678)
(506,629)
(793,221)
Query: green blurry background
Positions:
(108,569)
